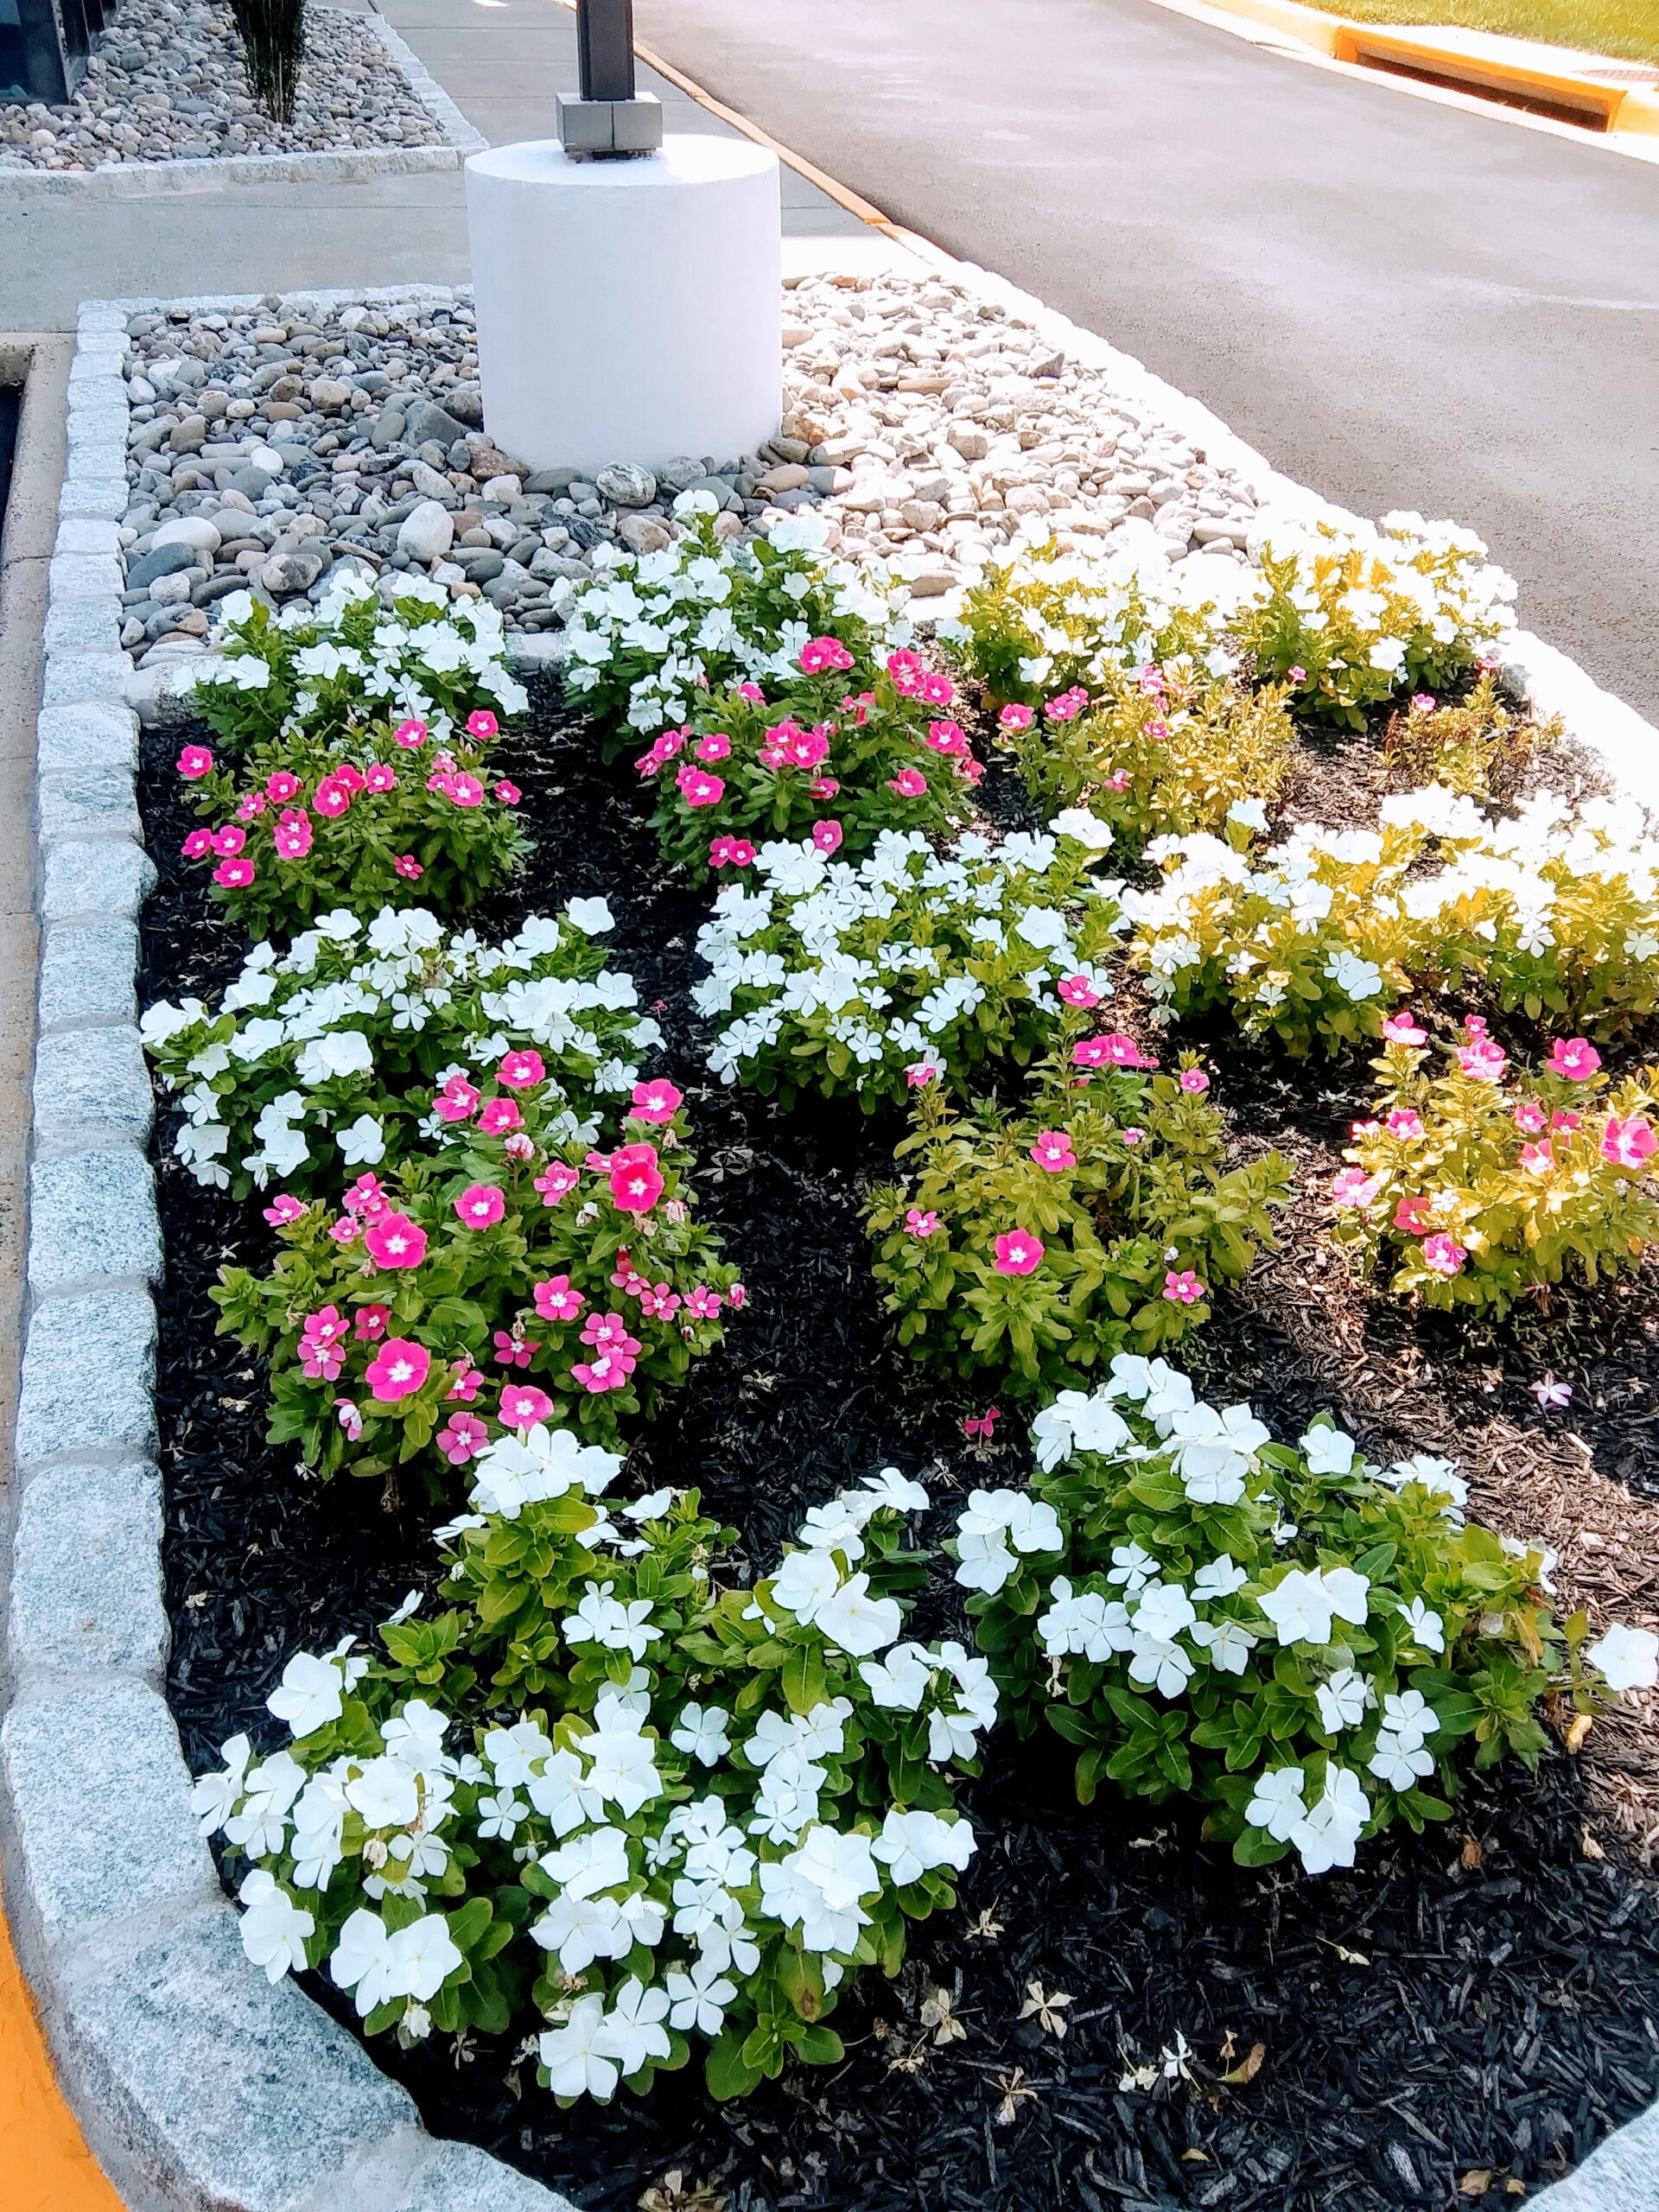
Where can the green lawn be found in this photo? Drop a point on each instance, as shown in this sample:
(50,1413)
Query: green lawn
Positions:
(1625,27)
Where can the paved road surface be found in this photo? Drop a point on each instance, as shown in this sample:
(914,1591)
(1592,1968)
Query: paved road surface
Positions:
(1401,303)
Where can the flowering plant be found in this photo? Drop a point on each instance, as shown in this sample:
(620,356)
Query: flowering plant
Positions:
(873,978)
(512,1279)
(318,1059)
(332,671)
(385,816)
(655,631)
(597,1783)
(1094,1219)
(1158,755)
(1486,1181)
(1353,615)
(1477,744)
(1300,1641)
(813,761)
(1046,622)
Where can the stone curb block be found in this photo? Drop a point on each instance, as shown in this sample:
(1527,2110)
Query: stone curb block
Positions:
(86,1575)
(89,1378)
(92,1215)
(92,1081)
(112,875)
(87,975)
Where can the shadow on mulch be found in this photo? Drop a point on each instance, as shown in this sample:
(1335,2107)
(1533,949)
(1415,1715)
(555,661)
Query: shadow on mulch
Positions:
(1479,1998)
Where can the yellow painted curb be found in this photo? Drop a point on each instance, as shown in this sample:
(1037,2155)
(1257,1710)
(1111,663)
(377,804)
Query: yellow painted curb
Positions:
(45,2166)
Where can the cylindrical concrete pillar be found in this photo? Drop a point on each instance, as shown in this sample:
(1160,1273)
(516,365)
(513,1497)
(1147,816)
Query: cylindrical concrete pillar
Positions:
(627,310)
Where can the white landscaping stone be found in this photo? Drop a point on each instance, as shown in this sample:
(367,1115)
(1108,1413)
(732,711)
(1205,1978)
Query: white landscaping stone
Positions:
(91,1217)
(97,804)
(103,734)
(87,975)
(85,1592)
(90,1084)
(461,2179)
(88,1377)
(101,876)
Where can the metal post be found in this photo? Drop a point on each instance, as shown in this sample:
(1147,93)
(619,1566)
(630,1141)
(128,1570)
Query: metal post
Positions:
(43,53)
(609,118)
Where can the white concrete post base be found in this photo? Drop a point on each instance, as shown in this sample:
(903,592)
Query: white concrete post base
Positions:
(627,310)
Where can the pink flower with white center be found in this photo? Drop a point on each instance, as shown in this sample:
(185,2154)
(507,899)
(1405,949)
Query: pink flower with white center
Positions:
(1296,674)
(457,1102)
(657,1101)
(408,867)
(697,788)
(366,1196)
(1353,1189)
(395,1241)
(465,791)
(328,1325)
(1019,1253)
(627,1278)
(636,1179)
(1443,1254)
(229,840)
(463,1437)
(907,672)
(731,852)
(1405,1122)
(827,835)
(522,1070)
(381,777)
(937,690)
(557,1299)
(511,1350)
(409,735)
(918,1072)
(715,746)
(344,1231)
(469,1381)
(520,1146)
(970,770)
(1183,1288)
(1402,1029)
(251,806)
(1068,705)
(350,1418)
(195,761)
(498,1115)
(909,783)
(1077,990)
(1481,1060)
(1015,717)
(1537,1159)
(197,844)
(482,723)
(281,785)
(558,1182)
(1565,1120)
(320,1363)
(350,776)
(609,1332)
(607,1370)
(1160,730)
(858,705)
(369,1323)
(285,1208)
(1628,1143)
(1113,1050)
(523,1405)
(397,1369)
(798,748)
(1575,1057)
(1530,1118)
(920,1221)
(1052,1152)
(1195,1080)
(663,750)
(292,838)
(947,738)
(331,797)
(1551,1394)
(659,1301)
(234,875)
(737,1297)
(702,1303)
(480,1206)
(825,653)
(508,793)
(1411,1216)
(1132,1136)
(982,1425)
(823,788)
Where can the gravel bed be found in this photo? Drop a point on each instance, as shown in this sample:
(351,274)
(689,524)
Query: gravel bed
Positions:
(925,426)
(166,82)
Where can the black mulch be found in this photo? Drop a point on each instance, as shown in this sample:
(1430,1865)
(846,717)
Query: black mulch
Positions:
(1481,2001)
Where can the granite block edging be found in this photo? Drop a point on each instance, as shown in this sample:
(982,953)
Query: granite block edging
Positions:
(199,2085)
(25,188)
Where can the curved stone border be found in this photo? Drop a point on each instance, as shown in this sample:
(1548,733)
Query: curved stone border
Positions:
(199,2083)
(115,181)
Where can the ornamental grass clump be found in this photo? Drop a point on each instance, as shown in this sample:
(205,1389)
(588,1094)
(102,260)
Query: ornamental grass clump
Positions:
(273,50)
(870,979)
(809,758)
(1477,744)
(602,1792)
(1307,1645)
(1351,616)
(1035,1243)
(1157,754)
(655,634)
(320,1060)
(511,1277)
(333,670)
(1479,1182)
(387,817)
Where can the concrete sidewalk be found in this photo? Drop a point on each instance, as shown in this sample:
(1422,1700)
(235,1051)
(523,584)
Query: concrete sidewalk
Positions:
(502,61)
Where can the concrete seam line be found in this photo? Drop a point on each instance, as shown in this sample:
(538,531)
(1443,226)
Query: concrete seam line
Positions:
(197,2081)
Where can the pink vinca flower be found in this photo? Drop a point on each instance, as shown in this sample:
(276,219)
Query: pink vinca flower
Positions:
(1405,1122)
(1353,1189)
(229,840)
(1052,1152)
(636,1179)
(1628,1143)
(397,1369)
(558,1183)
(509,794)
(457,1102)
(251,806)
(381,777)
(482,724)
(284,1208)
(468,1382)
(1411,1215)
(657,1101)
(1113,1050)
(947,738)
(332,796)
(1400,1028)
(344,1231)
(522,1070)
(281,785)
(195,761)
(825,653)
(408,867)
(557,1299)
(197,844)
(1530,1118)
(498,1115)
(702,1303)
(907,672)
(1019,1253)
(1195,1080)
(1015,717)
(1575,1057)
(369,1323)
(1077,990)
(731,852)
(512,1349)
(292,837)
(234,875)
(607,1370)
(465,791)
(909,783)
(698,789)
(659,1301)
(921,1221)
(715,746)
(1183,1288)
(350,1420)
(1068,706)
(523,1405)
(1443,1254)
(827,835)
(395,1241)
(463,1437)
(409,735)
(480,1206)
(1537,1159)
(1481,1060)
